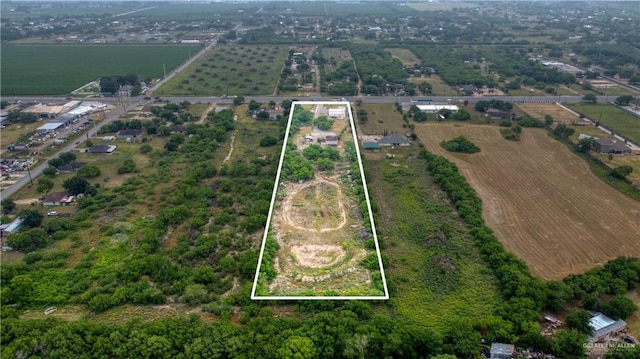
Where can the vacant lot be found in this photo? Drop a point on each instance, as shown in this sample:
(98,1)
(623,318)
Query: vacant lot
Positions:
(407,57)
(230,70)
(543,202)
(321,231)
(439,87)
(382,119)
(539,110)
(60,69)
(434,266)
(611,117)
(334,57)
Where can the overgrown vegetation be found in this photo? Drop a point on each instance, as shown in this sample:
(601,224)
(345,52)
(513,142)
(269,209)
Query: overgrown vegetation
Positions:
(460,144)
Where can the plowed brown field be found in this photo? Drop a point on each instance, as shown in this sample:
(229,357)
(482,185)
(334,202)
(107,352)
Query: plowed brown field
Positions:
(542,201)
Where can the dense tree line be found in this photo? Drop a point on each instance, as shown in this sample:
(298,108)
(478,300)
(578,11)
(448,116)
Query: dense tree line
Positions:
(377,69)
(525,296)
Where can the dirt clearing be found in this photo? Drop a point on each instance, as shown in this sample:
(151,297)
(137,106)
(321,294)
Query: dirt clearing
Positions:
(542,201)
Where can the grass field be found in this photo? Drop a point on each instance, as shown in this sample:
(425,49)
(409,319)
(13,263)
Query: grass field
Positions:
(543,202)
(407,57)
(611,117)
(230,70)
(60,69)
(438,6)
(38,9)
(381,118)
(440,88)
(633,321)
(434,267)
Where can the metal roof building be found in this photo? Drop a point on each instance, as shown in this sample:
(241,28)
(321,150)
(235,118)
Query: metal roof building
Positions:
(436,108)
(50,127)
(604,326)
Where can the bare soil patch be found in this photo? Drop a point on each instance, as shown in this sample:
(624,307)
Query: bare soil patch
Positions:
(317,255)
(542,201)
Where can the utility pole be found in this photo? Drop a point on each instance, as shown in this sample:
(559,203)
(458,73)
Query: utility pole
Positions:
(29,172)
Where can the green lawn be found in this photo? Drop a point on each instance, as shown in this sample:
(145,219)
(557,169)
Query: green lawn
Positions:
(230,70)
(612,118)
(59,69)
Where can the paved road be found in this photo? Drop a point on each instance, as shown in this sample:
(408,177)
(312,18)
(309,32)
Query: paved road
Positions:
(181,67)
(366,99)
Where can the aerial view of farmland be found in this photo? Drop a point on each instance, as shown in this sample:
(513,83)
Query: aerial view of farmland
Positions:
(320,179)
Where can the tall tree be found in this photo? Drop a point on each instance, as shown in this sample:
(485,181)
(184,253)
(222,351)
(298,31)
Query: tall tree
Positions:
(7,205)
(579,320)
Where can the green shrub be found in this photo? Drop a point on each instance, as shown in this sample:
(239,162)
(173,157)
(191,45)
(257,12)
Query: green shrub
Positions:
(460,144)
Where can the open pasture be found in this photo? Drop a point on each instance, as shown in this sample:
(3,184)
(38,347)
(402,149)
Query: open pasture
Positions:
(611,117)
(434,266)
(382,118)
(230,70)
(60,69)
(542,201)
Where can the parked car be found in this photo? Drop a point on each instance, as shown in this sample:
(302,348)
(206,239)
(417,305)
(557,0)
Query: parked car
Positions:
(52,214)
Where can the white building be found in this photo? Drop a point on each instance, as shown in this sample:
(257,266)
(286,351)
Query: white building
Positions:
(436,108)
(338,112)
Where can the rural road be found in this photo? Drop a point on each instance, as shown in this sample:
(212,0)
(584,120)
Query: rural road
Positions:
(134,101)
(365,99)
(181,67)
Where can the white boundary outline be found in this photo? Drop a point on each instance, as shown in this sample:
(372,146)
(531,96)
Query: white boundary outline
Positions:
(366,195)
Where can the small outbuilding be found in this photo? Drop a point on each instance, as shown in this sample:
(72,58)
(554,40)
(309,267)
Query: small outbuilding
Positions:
(607,145)
(371,146)
(57,199)
(129,134)
(275,113)
(101,149)
(331,140)
(394,140)
(605,327)
(11,227)
(502,351)
(71,166)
